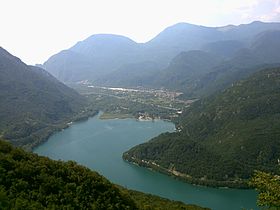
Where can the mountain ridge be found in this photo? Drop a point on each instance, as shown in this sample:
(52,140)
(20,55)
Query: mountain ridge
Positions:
(160,49)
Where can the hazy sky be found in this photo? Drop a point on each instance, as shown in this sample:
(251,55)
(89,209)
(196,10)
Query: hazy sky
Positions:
(35,29)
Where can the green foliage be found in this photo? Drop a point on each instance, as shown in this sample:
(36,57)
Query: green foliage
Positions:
(223,138)
(185,68)
(127,106)
(33,103)
(152,202)
(28,181)
(268,186)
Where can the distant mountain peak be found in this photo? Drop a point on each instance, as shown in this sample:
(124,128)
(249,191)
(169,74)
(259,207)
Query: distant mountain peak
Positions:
(104,39)
(102,54)
(107,36)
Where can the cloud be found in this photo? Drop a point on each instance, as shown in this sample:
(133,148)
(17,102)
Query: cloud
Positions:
(263,10)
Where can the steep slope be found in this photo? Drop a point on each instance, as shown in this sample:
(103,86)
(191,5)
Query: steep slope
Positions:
(131,75)
(177,38)
(267,46)
(96,56)
(225,48)
(32,101)
(223,138)
(263,52)
(102,54)
(181,72)
(186,67)
(65,64)
(28,181)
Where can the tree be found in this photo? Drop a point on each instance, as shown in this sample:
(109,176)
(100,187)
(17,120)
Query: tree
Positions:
(268,186)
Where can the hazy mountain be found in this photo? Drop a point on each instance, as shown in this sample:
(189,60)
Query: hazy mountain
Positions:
(69,66)
(263,52)
(186,67)
(198,73)
(178,38)
(96,56)
(266,45)
(99,55)
(226,48)
(224,137)
(247,31)
(184,37)
(131,75)
(31,100)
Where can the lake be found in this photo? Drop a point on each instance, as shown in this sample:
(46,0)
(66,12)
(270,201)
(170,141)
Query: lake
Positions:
(99,144)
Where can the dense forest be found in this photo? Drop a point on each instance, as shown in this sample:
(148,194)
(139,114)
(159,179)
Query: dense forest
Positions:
(222,138)
(268,186)
(33,103)
(28,181)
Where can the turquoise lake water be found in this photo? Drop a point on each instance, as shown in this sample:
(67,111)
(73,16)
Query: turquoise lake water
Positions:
(99,144)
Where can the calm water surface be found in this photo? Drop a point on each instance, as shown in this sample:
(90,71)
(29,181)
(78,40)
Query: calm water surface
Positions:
(99,144)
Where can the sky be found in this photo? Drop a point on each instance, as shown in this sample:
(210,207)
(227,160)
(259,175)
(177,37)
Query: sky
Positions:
(34,30)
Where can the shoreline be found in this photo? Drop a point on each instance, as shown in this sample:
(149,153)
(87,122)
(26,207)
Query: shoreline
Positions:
(234,184)
(52,129)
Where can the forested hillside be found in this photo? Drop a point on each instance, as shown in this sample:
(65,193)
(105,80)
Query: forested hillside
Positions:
(28,181)
(262,52)
(222,139)
(33,103)
(199,73)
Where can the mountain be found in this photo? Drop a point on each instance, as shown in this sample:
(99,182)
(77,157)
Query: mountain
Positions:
(223,138)
(131,75)
(225,48)
(96,56)
(199,73)
(32,101)
(182,70)
(102,54)
(263,52)
(266,45)
(28,181)
(247,31)
(186,67)
(64,65)
(180,37)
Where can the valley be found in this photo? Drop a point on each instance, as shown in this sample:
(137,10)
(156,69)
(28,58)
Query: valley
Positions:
(189,119)
(141,103)
(230,134)
(99,145)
